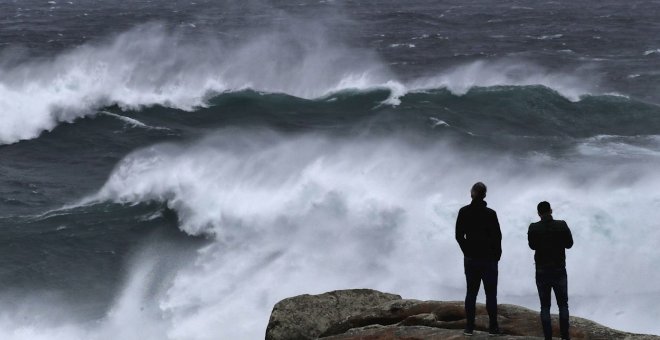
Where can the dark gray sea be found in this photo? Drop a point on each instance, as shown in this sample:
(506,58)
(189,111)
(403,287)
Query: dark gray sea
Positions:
(172,169)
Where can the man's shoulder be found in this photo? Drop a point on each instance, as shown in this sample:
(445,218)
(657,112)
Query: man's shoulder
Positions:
(559,223)
(548,225)
(471,207)
(563,224)
(476,209)
(534,225)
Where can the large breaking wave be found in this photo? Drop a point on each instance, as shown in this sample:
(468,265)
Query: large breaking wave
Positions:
(152,65)
(309,214)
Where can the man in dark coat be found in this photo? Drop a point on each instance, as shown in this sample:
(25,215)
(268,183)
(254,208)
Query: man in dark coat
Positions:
(480,238)
(550,238)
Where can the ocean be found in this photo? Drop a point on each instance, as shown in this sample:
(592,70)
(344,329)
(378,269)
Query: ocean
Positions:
(172,169)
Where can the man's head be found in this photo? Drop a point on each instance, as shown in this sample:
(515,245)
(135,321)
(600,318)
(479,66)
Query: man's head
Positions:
(478,191)
(544,209)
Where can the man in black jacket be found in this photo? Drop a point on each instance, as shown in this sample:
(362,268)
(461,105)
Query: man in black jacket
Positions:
(479,236)
(549,238)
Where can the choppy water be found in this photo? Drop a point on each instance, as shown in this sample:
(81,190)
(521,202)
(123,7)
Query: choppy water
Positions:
(170,169)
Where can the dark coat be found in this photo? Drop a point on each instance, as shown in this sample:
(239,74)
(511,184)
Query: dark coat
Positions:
(478,232)
(550,238)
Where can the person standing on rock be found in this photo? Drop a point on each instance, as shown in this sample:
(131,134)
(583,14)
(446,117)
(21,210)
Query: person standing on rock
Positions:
(480,238)
(550,238)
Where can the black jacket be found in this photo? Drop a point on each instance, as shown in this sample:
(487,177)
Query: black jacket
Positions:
(549,238)
(478,232)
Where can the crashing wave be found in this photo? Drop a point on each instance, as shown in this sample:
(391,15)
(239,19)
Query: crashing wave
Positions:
(150,65)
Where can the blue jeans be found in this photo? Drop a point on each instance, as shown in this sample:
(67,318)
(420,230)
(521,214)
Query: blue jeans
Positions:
(477,270)
(548,279)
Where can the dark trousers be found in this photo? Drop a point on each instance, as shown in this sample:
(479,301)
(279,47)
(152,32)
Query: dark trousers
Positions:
(548,279)
(477,270)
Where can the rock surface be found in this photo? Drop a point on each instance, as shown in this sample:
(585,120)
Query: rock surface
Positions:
(307,316)
(371,315)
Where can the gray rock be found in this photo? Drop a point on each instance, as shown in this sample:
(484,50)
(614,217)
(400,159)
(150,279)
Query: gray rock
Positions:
(308,316)
(416,333)
(370,315)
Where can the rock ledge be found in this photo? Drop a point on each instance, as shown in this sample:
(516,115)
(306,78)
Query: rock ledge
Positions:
(367,314)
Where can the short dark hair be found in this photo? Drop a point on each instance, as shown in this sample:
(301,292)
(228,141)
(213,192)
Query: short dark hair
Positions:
(479,190)
(543,208)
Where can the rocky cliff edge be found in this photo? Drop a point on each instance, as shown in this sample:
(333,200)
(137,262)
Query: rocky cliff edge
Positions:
(367,314)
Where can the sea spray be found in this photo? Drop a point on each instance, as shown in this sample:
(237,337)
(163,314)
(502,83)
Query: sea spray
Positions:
(509,72)
(309,214)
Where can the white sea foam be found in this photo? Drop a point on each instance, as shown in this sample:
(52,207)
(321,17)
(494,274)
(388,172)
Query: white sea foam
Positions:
(133,122)
(622,147)
(438,122)
(151,65)
(546,37)
(460,79)
(649,52)
(308,214)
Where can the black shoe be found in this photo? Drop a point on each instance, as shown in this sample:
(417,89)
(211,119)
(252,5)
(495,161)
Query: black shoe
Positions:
(468,332)
(494,332)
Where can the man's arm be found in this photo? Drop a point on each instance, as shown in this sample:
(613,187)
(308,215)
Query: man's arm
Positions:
(498,236)
(460,230)
(531,238)
(568,237)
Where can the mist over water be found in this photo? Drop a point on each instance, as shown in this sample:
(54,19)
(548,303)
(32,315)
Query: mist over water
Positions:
(173,178)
